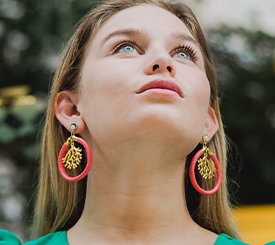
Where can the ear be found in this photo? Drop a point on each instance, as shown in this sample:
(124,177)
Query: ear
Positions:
(211,125)
(66,111)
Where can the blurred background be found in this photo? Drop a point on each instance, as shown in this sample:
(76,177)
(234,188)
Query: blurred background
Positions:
(241,38)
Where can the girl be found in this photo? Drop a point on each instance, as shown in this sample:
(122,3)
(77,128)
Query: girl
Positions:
(138,87)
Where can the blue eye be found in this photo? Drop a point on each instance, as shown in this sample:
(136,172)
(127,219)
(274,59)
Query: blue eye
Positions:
(182,55)
(126,46)
(185,52)
(127,49)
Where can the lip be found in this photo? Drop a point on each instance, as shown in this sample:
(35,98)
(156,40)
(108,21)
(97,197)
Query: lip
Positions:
(161,84)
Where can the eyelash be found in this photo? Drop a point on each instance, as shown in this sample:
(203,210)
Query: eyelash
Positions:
(189,50)
(123,44)
(183,48)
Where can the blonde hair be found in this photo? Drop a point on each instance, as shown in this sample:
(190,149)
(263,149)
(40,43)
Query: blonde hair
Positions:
(60,203)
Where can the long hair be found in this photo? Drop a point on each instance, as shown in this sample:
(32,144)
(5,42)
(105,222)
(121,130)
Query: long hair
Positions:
(59,203)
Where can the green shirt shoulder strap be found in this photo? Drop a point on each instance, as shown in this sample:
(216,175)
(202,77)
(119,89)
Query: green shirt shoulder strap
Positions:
(270,243)
(7,238)
(224,239)
(59,237)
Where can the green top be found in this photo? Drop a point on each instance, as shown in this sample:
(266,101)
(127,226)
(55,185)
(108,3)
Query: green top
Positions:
(60,238)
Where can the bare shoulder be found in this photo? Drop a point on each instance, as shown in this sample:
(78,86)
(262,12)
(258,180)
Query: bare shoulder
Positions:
(203,236)
(210,238)
(225,239)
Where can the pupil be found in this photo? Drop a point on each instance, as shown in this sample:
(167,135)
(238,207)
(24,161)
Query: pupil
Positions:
(127,49)
(184,55)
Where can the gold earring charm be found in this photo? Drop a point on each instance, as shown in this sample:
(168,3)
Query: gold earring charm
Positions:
(73,156)
(205,167)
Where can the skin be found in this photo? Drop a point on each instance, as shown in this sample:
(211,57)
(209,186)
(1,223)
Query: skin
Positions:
(139,141)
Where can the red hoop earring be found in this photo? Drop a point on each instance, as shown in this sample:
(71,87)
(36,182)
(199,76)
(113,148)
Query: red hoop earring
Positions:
(205,168)
(72,158)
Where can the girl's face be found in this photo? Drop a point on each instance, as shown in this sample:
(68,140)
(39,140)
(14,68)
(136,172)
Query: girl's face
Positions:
(144,77)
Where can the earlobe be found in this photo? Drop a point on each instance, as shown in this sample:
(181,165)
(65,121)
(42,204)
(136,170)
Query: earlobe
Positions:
(66,111)
(211,124)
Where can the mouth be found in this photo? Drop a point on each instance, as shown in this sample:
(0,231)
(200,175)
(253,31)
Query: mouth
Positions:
(161,84)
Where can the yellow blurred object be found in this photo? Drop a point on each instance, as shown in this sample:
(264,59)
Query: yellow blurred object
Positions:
(14,91)
(16,95)
(256,223)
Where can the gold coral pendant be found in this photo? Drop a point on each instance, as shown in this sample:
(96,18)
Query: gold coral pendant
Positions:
(73,157)
(205,167)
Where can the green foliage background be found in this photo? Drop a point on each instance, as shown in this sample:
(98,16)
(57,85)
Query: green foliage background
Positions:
(32,35)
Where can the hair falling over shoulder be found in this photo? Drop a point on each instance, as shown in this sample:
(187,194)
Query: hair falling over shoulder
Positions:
(60,203)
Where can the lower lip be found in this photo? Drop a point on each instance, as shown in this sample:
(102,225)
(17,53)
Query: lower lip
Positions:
(160,91)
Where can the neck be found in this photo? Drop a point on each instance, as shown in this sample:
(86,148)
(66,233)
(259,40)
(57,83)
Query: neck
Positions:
(136,199)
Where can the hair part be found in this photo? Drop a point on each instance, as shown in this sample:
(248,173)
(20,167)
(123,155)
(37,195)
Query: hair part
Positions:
(59,203)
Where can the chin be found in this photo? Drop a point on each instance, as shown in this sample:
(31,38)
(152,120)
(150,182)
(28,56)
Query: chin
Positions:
(162,124)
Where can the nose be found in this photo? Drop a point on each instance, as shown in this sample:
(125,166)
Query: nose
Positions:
(162,63)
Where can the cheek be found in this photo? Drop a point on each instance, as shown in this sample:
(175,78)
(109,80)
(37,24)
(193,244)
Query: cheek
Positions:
(201,88)
(197,86)
(199,95)
(105,78)
(202,92)
(105,90)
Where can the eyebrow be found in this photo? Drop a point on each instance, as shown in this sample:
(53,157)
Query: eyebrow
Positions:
(137,32)
(123,32)
(184,36)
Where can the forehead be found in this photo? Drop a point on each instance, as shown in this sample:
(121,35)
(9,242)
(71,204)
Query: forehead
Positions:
(149,17)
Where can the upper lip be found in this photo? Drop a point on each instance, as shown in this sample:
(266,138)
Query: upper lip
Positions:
(162,84)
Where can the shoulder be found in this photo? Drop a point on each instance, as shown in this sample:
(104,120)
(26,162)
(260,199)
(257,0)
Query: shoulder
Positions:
(270,243)
(59,237)
(7,238)
(224,239)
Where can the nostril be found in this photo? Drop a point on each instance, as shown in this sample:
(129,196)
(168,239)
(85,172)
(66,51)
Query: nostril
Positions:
(169,68)
(155,67)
